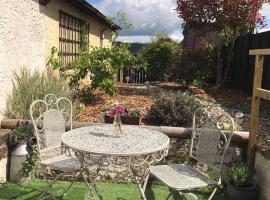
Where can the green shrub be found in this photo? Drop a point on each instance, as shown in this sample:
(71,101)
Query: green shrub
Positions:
(239,175)
(160,55)
(199,65)
(24,132)
(136,112)
(198,83)
(101,64)
(174,109)
(28,87)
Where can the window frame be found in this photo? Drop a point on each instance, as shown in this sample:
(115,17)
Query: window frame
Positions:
(71,39)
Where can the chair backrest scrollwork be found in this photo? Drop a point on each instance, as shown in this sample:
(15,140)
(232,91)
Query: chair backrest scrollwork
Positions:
(50,117)
(211,136)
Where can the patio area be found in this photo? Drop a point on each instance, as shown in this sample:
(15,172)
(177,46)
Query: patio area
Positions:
(88,113)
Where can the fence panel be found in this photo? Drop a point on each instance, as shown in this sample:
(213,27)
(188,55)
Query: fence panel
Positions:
(132,75)
(242,68)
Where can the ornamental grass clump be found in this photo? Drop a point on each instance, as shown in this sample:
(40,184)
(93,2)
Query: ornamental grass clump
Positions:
(28,87)
(239,175)
(174,109)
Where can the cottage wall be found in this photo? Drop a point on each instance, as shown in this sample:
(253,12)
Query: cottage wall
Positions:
(28,31)
(52,27)
(22,41)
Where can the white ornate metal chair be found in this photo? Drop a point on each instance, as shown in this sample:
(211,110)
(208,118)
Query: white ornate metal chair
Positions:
(50,118)
(211,136)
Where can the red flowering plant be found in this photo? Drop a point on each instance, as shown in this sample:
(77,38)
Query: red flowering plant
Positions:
(228,18)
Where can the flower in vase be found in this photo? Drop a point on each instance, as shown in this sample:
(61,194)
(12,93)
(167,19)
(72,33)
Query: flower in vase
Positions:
(117,110)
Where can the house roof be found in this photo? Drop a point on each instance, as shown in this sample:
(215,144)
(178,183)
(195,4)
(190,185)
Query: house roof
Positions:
(87,7)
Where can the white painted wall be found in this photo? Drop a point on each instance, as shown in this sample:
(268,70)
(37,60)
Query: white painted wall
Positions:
(22,41)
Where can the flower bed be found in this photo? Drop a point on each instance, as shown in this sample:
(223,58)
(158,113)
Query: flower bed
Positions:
(125,120)
(132,117)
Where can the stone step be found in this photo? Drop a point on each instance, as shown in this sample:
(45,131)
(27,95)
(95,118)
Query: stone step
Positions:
(4,135)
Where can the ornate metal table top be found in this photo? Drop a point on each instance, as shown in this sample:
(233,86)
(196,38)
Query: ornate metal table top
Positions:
(100,140)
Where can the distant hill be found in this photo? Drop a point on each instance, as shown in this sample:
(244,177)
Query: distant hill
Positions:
(135,47)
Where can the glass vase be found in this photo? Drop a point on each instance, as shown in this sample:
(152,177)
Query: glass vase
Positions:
(118,126)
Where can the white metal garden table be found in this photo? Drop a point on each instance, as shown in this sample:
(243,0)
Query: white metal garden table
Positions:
(97,144)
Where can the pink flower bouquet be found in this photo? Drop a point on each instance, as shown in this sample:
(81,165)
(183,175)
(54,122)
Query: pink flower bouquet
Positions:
(117,110)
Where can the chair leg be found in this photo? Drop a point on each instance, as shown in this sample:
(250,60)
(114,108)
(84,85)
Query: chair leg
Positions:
(169,195)
(146,181)
(65,190)
(49,189)
(213,193)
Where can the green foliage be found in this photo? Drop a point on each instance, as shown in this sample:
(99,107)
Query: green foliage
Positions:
(239,175)
(174,109)
(30,163)
(196,67)
(160,54)
(136,112)
(85,96)
(24,132)
(28,87)
(101,64)
(98,64)
(198,83)
(121,19)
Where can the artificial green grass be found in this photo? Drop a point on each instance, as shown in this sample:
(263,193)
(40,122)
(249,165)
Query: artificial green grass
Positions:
(111,191)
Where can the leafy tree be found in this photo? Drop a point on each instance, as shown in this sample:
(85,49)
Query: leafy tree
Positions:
(121,19)
(159,55)
(229,18)
(101,64)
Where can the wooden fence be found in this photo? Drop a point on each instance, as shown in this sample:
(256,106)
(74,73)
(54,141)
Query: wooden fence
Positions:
(133,76)
(242,68)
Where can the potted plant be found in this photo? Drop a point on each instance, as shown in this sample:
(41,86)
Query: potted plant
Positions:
(240,185)
(22,135)
(133,117)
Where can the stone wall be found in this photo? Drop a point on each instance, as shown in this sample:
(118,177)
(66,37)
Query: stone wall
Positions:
(263,176)
(22,41)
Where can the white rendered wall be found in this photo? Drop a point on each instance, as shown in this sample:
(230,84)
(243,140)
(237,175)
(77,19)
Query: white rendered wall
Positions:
(22,41)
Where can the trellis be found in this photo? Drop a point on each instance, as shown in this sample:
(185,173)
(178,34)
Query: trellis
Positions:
(258,94)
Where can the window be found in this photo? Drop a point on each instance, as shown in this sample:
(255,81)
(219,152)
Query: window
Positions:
(102,36)
(73,36)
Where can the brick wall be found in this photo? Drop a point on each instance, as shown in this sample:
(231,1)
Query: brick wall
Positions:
(193,42)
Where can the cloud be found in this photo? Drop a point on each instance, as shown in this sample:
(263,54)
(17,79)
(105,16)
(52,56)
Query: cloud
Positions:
(132,39)
(147,16)
(152,16)
(265,11)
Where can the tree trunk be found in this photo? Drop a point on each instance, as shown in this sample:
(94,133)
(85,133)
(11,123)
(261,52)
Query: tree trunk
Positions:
(219,66)
(222,68)
(228,64)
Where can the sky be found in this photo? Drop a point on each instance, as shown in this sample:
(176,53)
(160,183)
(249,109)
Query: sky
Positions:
(150,17)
